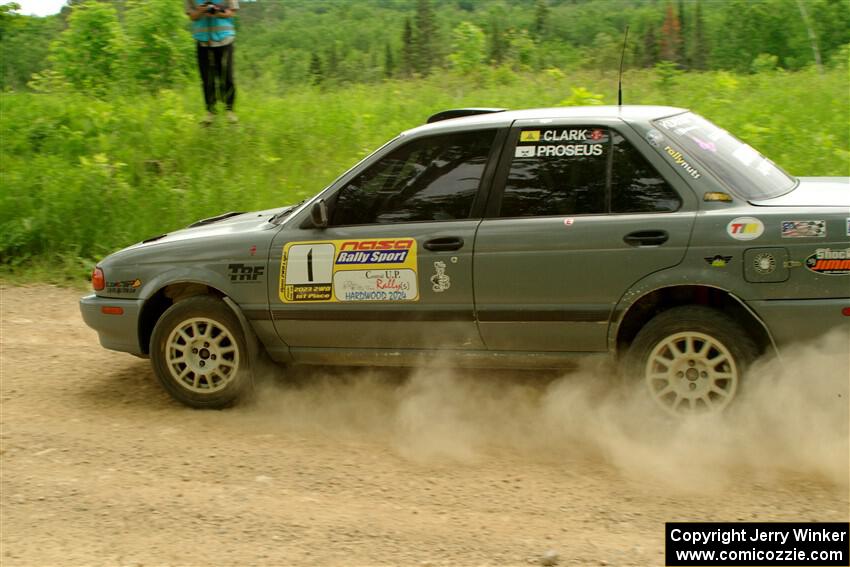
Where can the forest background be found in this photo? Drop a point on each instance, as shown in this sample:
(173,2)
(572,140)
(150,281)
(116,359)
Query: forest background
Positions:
(100,142)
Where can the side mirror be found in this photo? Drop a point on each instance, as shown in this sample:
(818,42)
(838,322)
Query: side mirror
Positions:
(319,214)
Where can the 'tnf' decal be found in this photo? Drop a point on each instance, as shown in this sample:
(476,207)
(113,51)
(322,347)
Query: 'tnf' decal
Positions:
(241,273)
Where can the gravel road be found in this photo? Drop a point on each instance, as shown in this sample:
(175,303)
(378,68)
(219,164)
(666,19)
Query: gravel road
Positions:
(359,467)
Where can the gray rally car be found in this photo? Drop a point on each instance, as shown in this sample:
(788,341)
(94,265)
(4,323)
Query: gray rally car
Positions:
(502,238)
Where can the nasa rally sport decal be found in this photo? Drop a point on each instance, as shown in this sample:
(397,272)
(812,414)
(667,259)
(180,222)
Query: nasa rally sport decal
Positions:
(830,262)
(360,270)
(745,228)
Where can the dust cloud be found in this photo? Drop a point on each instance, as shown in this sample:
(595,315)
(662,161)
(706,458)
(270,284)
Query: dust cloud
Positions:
(791,419)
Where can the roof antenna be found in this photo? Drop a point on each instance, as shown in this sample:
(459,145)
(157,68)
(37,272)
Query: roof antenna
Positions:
(620,78)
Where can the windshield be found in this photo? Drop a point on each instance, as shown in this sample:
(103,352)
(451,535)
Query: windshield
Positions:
(740,167)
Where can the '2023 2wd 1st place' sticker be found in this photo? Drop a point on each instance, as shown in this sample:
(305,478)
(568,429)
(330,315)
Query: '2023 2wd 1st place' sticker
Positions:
(334,271)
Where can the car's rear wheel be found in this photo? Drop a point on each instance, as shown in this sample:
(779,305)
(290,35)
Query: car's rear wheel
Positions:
(199,353)
(692,359)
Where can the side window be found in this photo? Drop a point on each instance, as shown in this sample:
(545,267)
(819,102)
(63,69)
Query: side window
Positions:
(557,171)
(429,179)
(635,185)
(580,170)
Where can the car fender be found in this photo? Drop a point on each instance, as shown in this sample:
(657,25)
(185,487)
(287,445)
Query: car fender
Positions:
(726,281)
(184,275)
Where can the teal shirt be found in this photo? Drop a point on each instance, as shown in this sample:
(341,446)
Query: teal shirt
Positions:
(213,31)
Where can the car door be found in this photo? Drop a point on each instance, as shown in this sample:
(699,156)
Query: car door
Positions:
(578,214)
(393,270)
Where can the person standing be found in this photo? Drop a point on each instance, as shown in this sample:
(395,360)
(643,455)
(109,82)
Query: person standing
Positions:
(215,33)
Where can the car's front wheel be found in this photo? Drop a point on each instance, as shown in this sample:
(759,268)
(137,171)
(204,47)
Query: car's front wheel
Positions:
(198,352)
(692,359)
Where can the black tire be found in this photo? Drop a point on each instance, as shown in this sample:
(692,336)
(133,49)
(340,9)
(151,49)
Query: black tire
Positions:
(213,370)
(699,359)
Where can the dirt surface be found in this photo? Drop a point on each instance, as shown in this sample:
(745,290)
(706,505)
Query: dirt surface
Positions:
(425,467)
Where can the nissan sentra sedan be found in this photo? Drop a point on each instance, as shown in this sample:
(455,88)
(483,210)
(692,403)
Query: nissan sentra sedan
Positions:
(493,238)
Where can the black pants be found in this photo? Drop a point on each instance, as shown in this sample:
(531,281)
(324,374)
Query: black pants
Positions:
(216,66)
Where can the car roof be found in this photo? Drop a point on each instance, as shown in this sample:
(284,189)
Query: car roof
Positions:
(628,113)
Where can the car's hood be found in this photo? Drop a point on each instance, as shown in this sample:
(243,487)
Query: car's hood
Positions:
(813,192)
(228,223)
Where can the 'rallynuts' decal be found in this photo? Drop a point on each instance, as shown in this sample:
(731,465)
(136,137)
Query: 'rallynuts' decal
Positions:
(745,228)
(679,159)
(349,271)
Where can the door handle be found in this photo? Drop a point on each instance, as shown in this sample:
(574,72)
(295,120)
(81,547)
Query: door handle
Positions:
(445,244)
(646,238)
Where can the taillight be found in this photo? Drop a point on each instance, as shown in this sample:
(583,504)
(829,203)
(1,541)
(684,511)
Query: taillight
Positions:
(97,280)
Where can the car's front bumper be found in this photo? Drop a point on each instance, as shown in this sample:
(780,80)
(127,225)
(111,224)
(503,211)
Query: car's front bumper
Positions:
(116,332)
(801,320)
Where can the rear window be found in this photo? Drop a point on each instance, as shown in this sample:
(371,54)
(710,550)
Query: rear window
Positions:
(740,167)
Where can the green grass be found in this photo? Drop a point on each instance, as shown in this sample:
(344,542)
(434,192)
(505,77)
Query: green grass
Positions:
(82,177)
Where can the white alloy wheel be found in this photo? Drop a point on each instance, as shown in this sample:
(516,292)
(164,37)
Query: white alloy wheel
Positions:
(691,372)
(692,359)
(199,353)
(202,355)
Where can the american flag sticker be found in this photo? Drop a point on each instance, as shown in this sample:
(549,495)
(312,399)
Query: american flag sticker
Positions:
(524,151)
(803,229)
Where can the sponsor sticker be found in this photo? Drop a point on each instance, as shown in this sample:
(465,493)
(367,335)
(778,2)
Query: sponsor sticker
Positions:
(245,273)
(829,261)
(679,159)
(705,145)
(126,286)
(529,136)
(745,228)
(718,261)
(654,137)
(804,229)
(440,282)
(525,151)
(349,271)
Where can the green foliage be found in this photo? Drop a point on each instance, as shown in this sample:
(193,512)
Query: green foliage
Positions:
(159,47)
(764,62)
(666,72)
(580,96)
(424,38)
(108,150)
(277,40)
(469,48)
(23,46)
(91,52)
(84,177)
